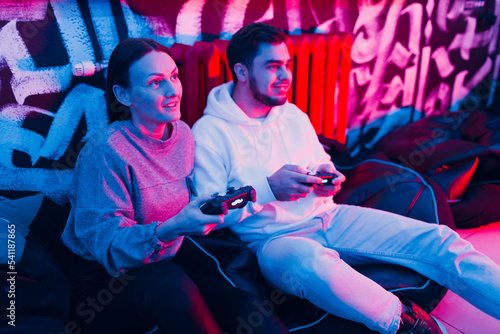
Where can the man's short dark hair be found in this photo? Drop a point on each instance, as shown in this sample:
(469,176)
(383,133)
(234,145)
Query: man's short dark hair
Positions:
(244,44)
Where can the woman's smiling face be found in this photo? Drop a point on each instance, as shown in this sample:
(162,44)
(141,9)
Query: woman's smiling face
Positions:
(155,90)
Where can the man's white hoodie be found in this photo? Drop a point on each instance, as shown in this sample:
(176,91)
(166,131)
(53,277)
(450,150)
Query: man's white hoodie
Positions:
(234,150)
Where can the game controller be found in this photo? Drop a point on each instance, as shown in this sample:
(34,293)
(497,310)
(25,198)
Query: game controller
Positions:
(233,199)
(326,179)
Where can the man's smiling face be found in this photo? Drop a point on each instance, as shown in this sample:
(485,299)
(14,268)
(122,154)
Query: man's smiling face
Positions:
(270,76)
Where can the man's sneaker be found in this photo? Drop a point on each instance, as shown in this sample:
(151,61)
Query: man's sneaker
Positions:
(414,320)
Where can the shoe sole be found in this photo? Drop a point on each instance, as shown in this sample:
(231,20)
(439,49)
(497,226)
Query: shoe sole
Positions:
(440,325)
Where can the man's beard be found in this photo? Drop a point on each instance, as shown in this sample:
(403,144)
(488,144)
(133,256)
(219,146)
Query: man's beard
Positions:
(264,99)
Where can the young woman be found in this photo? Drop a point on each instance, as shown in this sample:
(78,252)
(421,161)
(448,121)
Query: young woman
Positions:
(131,209)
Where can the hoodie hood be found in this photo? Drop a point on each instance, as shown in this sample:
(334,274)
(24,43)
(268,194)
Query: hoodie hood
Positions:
(220,104)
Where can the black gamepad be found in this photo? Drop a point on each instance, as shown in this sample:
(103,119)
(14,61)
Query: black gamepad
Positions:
(233,199)
(326,178)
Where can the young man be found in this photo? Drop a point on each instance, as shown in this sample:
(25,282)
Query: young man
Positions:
(305,243)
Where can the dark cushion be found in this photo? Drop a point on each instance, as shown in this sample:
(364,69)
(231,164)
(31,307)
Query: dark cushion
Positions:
(383,185)
(455,180)
(17,215)
(35,325)
(235,259)
(42,290)
(456,150)
(478,206)
(46,231)
(372,180)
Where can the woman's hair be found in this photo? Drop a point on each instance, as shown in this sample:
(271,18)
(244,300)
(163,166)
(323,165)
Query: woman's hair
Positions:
(127,52)
(244,44)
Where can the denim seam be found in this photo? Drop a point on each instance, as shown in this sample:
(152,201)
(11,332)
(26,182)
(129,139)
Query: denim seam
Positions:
(394,327)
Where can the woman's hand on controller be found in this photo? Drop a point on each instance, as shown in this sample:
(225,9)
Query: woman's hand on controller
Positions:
(189,221)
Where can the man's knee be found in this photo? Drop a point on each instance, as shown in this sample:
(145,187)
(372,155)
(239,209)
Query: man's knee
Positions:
(300,261)
(298,252)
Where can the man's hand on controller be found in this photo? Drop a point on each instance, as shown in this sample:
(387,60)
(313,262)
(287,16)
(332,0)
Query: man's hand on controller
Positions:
(334,188)
(291,182)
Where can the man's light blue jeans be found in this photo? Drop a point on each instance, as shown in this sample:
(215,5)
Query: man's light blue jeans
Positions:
(314,262)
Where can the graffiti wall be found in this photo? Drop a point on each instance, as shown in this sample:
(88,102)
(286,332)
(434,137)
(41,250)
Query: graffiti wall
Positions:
(410,59)
(418,58)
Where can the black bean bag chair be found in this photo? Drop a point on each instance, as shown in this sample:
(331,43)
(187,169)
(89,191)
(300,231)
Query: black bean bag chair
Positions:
(41,290)
(460,151)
